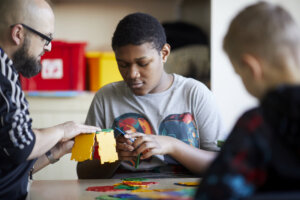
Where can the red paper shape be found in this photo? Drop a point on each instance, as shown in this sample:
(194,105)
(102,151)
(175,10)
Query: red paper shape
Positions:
(104,189)
(96,153)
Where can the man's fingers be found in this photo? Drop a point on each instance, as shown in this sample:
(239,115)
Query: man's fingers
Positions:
(68,146)
(88,129)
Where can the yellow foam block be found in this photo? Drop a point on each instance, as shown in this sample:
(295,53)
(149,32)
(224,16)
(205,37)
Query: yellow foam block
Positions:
(83,147)
(107,146)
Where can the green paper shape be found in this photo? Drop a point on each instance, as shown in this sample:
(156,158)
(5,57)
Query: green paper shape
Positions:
(220,143)
(126,187)
(135,179)
(104,130)
(137,161)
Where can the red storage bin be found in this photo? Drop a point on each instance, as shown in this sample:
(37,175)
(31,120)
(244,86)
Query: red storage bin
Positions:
(63,68)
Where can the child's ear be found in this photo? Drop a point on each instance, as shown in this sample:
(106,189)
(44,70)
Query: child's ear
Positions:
(253,64)
(165,52)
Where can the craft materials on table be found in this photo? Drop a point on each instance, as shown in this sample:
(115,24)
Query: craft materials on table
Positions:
(188,183)
(138,189)
(83,148)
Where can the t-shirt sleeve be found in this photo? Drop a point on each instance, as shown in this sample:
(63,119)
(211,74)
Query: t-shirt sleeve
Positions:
(207,115)
(95,116)
(16,136)
(241,165)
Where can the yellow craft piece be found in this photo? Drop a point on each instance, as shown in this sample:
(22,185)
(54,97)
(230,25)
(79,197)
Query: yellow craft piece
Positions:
(83,147)
(189,183)
(107,146)
(142,190)
(132,182)
(135,183)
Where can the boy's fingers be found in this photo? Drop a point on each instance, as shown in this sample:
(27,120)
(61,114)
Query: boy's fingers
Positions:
(144,139)
(133,135)
(147,154)
(124,147)
(144,148)
(126,158)
(121,139)
(126,154)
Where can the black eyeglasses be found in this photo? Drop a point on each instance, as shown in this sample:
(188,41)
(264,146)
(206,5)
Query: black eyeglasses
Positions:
(45,37)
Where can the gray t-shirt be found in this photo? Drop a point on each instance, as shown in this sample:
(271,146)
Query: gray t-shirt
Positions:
(185,111)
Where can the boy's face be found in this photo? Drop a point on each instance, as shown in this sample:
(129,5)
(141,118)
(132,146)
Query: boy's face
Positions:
(141,67)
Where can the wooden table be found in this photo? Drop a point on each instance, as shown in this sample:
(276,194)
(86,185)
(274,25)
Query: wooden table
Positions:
(76,189)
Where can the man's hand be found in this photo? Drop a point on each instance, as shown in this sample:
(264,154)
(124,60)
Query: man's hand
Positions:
(71,129)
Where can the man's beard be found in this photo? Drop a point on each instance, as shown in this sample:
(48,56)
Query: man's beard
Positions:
(26,65)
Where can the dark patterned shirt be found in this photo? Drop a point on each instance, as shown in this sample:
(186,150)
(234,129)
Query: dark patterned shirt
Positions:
(262,153)
(16,136)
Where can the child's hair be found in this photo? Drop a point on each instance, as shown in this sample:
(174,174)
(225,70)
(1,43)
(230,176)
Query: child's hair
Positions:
(137,29)
(265,30)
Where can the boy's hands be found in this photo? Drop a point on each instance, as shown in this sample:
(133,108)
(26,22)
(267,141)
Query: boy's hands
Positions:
(125,148)
(146,144)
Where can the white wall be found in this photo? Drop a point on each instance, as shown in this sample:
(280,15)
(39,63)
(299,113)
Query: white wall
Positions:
(231,95)
(50,111)
(95,21)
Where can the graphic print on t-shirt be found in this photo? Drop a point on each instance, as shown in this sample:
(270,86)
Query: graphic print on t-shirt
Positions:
(180,126)
(133,122)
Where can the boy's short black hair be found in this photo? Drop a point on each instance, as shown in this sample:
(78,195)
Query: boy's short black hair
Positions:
(137,29)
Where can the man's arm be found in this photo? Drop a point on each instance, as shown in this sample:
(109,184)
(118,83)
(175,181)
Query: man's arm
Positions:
(59,150)
(48,137)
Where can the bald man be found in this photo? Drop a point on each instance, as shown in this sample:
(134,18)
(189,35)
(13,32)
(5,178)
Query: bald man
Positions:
(26,29)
